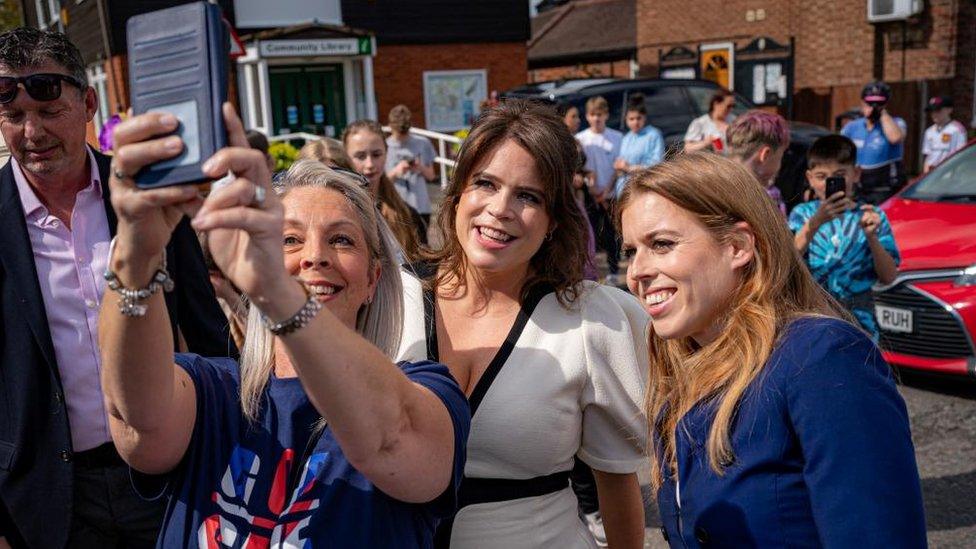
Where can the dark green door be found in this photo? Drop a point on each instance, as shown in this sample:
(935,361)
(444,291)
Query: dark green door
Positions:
(308,99)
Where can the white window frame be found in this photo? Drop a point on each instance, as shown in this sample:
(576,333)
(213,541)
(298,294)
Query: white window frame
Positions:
(54,9)
(98,79)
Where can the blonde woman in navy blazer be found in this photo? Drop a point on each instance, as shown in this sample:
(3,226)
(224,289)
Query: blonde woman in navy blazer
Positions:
(776,422)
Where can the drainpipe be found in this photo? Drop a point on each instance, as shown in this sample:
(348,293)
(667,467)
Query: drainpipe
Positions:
(107,52)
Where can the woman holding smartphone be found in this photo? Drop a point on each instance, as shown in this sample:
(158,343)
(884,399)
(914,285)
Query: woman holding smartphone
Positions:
(317,438)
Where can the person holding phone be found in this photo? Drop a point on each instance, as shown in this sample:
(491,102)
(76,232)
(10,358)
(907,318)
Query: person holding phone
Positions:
(316,438)
(879,138)
(410,164)
(848,245)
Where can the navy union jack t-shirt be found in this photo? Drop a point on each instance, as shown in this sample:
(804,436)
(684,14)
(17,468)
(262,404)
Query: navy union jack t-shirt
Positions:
(271,484)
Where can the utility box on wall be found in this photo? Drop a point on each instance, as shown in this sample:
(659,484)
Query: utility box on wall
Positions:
(880,11)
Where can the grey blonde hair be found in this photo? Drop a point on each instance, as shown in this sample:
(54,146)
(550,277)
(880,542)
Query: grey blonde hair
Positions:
(379,321)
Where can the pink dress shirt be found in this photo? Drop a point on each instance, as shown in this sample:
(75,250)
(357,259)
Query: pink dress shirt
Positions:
(69,265)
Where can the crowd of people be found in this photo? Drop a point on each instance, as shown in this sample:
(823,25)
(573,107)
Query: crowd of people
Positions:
(287,362)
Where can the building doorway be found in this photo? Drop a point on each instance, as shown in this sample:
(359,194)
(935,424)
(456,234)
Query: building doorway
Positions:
(308,99)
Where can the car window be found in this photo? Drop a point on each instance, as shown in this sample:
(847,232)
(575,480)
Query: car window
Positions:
(616,101)
(952,181)
(701,95)
(662,100)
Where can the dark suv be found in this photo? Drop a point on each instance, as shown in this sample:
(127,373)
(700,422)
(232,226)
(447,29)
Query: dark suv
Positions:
(673,104)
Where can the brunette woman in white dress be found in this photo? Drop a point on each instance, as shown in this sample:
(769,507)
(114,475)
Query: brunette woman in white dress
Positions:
(553,366)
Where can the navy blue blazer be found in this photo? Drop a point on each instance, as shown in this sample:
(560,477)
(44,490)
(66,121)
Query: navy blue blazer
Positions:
(36,472)
(823,454)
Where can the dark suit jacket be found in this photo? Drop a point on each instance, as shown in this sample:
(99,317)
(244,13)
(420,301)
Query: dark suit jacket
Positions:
(35,444)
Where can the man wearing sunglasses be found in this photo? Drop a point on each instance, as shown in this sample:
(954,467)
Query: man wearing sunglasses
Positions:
(62,483)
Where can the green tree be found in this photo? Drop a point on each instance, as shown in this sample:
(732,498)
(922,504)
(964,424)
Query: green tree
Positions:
(10,14)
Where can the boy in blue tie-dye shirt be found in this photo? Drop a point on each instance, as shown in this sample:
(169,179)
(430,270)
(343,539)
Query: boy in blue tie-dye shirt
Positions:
(848,245)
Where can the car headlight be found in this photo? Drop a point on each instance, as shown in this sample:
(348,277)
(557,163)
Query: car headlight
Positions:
(967,278)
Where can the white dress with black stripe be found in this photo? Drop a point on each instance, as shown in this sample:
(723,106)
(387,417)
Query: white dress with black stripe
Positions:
(568,382)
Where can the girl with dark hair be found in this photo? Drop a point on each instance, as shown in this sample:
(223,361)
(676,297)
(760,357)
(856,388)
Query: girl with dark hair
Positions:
(642,147)
(366,146)
(707,132)
(571,117)
(552,365)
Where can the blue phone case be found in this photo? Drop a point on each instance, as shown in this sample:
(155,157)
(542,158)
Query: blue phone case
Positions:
(178,64)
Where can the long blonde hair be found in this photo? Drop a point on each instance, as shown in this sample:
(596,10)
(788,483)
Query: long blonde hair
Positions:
(775,288)
(396,212)
(327,151)
(379,321)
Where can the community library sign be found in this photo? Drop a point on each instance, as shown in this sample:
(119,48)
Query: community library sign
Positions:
(331,46)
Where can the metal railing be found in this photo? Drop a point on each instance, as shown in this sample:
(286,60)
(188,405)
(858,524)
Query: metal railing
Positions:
(442,158)
(443,140)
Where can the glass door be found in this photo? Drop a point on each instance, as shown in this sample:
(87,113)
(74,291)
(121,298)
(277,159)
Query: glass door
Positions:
(308,99)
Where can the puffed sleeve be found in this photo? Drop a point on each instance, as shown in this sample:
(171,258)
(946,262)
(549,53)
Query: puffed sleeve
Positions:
(413,342)
(615,344)
(695,131)
(853,429)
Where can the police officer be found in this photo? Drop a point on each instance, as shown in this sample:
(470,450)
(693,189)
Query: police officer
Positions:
(879,138)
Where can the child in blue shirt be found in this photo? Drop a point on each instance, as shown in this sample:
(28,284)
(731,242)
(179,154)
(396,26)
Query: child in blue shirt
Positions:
(642,147)
(848,245)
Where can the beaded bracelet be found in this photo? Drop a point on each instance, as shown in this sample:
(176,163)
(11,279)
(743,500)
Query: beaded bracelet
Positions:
(130,303)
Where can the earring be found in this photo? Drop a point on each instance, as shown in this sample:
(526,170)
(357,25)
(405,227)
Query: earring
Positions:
(369,300)
(549,235)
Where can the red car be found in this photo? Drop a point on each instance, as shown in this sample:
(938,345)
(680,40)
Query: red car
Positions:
(927,317)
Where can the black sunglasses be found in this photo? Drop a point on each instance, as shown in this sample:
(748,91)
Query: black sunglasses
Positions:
(41,87)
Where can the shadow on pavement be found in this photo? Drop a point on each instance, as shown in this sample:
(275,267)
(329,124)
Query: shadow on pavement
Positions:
(948,501)
(957,386)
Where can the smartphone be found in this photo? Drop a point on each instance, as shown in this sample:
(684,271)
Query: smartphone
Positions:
(835,184)
(178,63)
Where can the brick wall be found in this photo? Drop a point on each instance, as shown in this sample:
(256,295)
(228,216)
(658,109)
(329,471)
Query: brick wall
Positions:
(835,44)
(398,71)
(963,84)
(618,69)
(836,50)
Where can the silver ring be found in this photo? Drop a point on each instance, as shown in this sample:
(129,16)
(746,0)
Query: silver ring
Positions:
(259,195)
(119,174)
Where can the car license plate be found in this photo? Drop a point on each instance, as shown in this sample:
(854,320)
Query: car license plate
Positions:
(893,319)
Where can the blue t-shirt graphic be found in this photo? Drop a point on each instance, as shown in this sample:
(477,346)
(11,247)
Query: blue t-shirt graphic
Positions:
(873,148)
(282,481)
(840,258)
